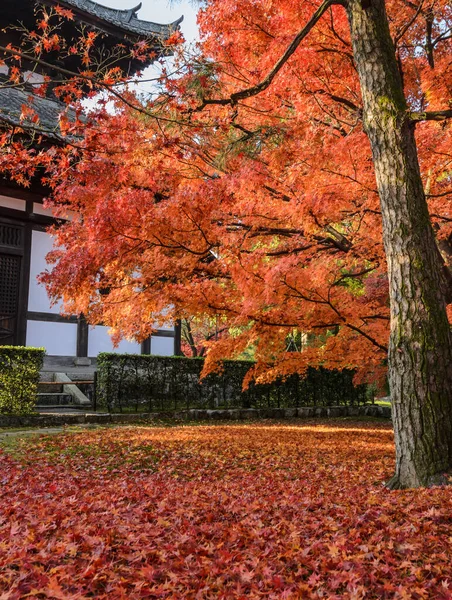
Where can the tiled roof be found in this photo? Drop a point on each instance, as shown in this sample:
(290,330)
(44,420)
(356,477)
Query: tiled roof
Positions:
(12,100)
(125,19)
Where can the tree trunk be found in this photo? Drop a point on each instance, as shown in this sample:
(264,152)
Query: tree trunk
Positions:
(420,349)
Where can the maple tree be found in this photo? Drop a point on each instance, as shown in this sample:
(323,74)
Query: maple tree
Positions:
(240,511)
(256,188)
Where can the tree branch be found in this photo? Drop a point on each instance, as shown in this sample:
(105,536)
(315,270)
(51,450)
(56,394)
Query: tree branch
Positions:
(437,115)
(446,35)
(429,19)
(367,336)
(95,81)
(36,130)
(404,29)
(354,275)
(265,83)
(187,334)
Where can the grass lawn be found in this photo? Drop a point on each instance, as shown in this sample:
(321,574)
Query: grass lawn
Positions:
(262,510)
(383,402)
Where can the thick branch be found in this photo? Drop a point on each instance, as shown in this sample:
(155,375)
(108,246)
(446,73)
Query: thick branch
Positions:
(428,42)
(265,83)
(368,337)
(437,115)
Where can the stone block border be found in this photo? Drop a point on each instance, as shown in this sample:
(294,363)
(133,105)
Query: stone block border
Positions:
(306,412)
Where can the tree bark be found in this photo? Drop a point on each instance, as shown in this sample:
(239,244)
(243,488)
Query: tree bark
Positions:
(420,349)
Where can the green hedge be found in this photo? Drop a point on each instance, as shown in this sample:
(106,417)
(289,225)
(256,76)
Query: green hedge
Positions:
(129,382)
(19,377)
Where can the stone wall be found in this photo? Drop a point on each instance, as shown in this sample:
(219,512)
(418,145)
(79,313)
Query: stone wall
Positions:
(53,420)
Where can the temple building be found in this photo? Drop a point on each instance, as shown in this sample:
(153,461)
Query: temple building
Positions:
(26,317)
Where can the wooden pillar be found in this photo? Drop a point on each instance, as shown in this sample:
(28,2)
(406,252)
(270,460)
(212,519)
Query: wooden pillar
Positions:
(146,346)
(178,339)
(82,336)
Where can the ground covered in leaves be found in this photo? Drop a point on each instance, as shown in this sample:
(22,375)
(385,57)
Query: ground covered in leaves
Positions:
(247,511)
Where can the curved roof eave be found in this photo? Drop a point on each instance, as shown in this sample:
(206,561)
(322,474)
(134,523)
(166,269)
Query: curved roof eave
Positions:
(125,19)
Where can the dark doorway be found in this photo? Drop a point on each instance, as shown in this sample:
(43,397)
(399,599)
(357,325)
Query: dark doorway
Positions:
(12,237)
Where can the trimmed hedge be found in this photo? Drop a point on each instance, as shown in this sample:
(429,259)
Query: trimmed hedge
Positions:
(132,382)
(19,378)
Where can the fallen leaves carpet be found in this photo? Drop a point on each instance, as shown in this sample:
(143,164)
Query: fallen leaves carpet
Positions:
(236,511)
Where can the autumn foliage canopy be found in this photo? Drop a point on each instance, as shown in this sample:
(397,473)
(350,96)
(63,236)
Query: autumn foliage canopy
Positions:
(261,214)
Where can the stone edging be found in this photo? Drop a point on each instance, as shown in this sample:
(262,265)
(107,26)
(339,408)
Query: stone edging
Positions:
(51,420)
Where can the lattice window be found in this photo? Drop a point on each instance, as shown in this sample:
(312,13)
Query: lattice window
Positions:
(9,284)
(11,235)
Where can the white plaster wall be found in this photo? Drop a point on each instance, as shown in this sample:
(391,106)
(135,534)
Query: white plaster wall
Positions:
(14,203)
(59,339)
(38,209)
(100,341)
(38,301)
(162,346)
